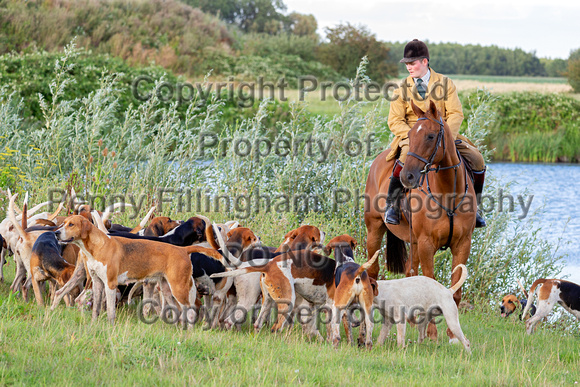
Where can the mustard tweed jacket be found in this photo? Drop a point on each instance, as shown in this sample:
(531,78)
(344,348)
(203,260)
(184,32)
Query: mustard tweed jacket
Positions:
(440,90)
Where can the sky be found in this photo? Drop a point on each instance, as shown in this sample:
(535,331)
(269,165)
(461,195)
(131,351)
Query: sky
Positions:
(550,28)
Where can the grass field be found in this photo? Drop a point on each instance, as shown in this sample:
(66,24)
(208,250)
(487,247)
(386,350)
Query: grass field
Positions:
(65,347)
(328,105)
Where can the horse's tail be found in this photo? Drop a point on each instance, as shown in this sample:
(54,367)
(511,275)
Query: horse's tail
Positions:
(396,254)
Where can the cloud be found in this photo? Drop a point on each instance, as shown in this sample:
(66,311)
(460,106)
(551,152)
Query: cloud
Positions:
(527,24)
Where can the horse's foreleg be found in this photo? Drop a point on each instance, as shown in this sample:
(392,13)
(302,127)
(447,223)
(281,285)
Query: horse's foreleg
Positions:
(375,232)
(424,251)
(412,264)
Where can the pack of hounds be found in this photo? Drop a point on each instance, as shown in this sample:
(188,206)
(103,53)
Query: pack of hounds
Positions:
(196,265)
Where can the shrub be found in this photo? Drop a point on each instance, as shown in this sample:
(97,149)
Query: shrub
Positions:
(273,46)
(347,45)
(28,75)
(574,70)
(168,33)
(532,126)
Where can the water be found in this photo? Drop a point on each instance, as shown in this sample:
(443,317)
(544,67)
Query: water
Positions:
(556,188)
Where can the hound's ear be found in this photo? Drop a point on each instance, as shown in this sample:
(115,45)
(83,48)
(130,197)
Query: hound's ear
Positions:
(328,249)
(353,244)
(417,110)
(158,229)
(85,228)
(433,109)
(291,235)
(375,286)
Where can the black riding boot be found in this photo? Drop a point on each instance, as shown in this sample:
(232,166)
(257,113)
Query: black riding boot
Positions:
(393,215)
(478,180)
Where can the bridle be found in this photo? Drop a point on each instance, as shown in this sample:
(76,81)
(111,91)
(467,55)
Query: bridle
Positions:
(440,142)
(425,177)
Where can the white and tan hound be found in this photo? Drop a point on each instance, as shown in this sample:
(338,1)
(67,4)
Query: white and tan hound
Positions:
(552,291)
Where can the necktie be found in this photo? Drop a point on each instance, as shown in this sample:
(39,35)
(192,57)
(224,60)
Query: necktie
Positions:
(421,88)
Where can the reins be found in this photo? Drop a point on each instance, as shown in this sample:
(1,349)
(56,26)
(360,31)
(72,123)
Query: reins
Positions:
(425,178)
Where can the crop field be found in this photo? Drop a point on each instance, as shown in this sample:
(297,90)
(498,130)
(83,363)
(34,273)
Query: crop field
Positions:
(508,79)
(498,86)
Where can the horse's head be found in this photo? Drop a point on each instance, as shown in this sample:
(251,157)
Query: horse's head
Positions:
(426,144)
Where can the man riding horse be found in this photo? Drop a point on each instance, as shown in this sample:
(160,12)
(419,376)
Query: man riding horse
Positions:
(423,86)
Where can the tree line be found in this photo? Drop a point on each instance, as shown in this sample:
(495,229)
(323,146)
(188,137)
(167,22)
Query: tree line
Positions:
(470,59)
(242,38)
(267,16)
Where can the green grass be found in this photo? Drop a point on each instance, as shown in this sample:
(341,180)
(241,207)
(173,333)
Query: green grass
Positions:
(65,347)
(327,106)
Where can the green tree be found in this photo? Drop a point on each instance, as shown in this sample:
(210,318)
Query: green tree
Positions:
(555,67)
(574,70)
(249,15)
(225,9)
(347,45)
(301,24)
(453,58)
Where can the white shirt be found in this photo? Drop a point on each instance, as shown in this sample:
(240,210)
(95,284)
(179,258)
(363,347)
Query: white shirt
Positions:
(425,78)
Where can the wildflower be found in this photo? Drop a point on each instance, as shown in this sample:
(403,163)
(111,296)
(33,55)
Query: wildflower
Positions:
(100,142)
(91,160)
(115,165)
(105,152)
(113,154)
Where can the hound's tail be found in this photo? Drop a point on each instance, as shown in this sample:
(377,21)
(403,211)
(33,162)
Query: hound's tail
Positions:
(53,216)
(143,222)
(212,253)
(231,260)
(12,216)
(112,208)
(135,287)
(209,232)
(99,222)
(246,270)
(365,266)
(536,283)
(459,283)
(522,288)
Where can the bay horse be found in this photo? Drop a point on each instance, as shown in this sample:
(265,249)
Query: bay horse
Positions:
(441,199)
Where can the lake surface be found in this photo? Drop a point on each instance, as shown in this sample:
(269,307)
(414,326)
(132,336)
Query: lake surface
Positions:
(556,193)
